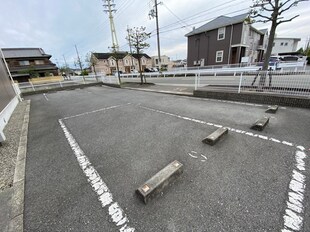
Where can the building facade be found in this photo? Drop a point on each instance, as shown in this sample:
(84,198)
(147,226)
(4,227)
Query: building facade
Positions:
(226,40)
(25,63)
(127,63)
(284,45)
(166,63)
(8,97)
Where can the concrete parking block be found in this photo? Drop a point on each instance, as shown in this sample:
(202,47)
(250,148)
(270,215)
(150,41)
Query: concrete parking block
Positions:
(260,124)
(272,109)
(159,181)
(215,136)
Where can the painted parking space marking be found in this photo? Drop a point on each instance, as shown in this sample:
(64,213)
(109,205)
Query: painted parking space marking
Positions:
(286,143)
(46,98)
(95,111)
(293,216)
(105,196)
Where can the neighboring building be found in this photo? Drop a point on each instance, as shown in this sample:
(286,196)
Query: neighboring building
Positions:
(8,97)
(226,40)
(166,64)
(25,63)
(284,45)
(106,63)
(179,63)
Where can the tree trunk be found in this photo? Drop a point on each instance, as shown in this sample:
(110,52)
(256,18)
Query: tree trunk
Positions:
(263,75)
(140,68)
(117,70)
(95,72)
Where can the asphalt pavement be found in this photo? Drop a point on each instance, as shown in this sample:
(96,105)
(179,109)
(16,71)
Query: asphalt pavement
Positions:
(120,138)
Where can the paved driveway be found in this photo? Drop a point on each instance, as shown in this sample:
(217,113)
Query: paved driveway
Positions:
(90,149)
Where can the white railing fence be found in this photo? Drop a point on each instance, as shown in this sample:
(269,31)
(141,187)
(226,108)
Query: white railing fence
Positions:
(276,82)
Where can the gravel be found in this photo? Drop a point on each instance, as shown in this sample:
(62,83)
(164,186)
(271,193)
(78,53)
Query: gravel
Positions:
(9,148)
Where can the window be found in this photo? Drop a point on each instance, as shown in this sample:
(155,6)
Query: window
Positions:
(285,44)
(24,62)
(221,33)
(219,56)
(112,62)
(38,62)
(126,62)
(156,61)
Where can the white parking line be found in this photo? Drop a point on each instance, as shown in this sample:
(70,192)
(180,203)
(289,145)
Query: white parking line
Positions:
(219,126)
(95,111)
(293,217)
(105,196)
(45,96)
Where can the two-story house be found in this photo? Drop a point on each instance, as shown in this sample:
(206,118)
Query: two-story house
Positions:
(226,40)
(284,45)
(25,63)
(106,63)
(165,62)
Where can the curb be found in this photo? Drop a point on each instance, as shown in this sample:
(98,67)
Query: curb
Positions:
(161,91)
(16,223)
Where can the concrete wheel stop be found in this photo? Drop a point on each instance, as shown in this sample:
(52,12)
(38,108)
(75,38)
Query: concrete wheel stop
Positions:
(260,124)
(161,180)
(215,136)
(272,109)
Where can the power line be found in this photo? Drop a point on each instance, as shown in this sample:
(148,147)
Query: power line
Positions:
(198,15)
(199,22)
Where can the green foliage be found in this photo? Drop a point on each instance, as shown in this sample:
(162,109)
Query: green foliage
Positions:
(84,73)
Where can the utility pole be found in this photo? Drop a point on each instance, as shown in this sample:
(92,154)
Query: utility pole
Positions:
(154,13)
(129,41)
(109,5)
(79,62)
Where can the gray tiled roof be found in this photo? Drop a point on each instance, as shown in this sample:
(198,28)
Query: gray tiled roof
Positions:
(23,52)
(220,21)
(121,55)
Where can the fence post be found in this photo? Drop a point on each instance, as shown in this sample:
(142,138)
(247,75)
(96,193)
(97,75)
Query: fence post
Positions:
(240,82)
(60,84)
(198,83)
(32,86)
(196,75)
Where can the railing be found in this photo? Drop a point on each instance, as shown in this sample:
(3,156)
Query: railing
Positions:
(273,82)
(67,82)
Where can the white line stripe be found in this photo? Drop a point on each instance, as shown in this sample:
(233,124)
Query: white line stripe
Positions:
(293,217)
(99,186)
(218,126)
(192,155)
(94,111)
(204,156)
(45,96)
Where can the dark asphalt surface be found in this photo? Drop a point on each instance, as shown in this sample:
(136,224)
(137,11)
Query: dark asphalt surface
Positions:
(242,186)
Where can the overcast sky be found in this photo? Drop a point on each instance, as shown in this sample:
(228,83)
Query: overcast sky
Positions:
(56,26)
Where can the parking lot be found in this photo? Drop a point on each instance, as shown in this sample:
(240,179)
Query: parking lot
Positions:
(90,149)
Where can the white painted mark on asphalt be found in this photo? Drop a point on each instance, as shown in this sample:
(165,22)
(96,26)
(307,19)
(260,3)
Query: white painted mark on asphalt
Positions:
(204,156)
(216,125)
(45,96)
(105,196)
(195,157)
(95,111)
(194,152)
(293,216)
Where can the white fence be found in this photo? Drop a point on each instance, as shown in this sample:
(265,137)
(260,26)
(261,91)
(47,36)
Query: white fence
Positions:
(276,82)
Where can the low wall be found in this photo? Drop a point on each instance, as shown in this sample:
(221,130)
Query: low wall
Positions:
(262,98)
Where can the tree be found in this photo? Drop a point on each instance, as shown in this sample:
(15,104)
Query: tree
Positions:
(137,39)
(91,61)
(271,11)
(117,56)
